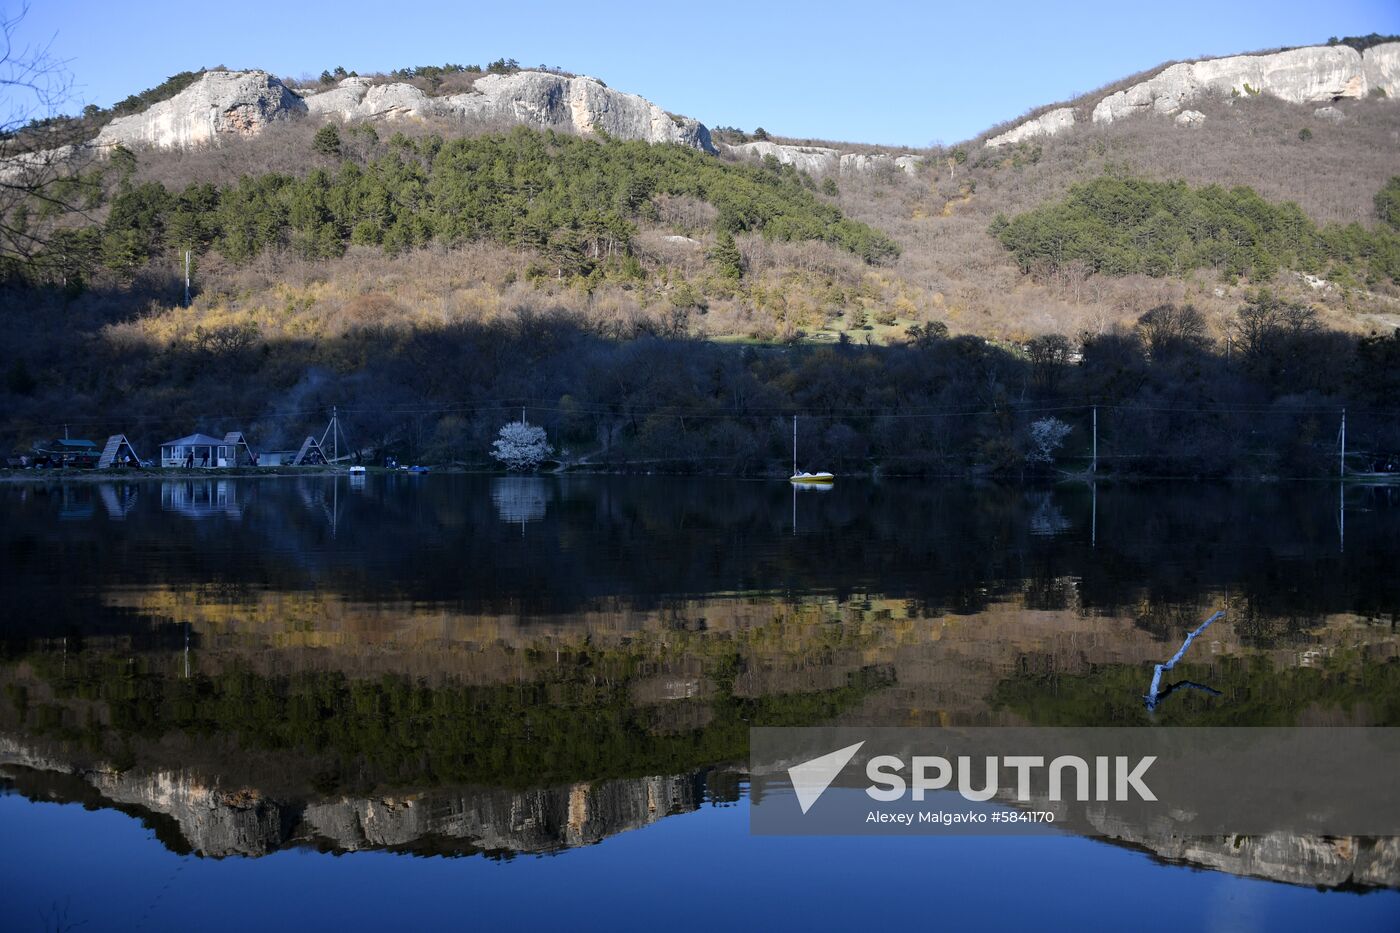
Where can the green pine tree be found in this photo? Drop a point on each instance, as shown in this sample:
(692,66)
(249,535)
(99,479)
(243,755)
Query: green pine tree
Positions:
(327,140)
(726,256)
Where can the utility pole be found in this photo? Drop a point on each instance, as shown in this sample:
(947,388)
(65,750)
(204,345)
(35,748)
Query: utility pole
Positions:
(1094,514)
(1095,467)
(187,278)
(333,429)
(794,449)
(1342,464)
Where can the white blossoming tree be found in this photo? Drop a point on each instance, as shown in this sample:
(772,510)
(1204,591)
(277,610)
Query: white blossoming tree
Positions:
(521,446)
(1047,435)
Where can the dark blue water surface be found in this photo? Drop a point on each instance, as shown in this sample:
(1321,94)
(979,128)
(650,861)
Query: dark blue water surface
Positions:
(492,702)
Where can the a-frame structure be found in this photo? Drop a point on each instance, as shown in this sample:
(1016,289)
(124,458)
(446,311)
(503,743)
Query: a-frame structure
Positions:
(238,450)
(118,450)
(309,454)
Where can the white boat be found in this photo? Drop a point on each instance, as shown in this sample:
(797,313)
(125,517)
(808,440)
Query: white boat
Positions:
(802,477)
(358,470)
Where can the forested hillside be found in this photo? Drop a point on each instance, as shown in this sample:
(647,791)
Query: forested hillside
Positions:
(1120,226)
(575,202)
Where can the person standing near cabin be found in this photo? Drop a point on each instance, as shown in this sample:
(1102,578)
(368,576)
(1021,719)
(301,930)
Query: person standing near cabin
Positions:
(189,459)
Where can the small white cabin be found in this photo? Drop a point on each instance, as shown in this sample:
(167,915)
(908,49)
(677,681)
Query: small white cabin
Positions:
(198,450)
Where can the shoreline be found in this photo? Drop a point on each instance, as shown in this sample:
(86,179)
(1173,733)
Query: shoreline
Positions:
(83,476)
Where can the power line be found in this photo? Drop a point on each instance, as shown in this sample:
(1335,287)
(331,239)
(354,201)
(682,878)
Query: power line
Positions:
(620,409)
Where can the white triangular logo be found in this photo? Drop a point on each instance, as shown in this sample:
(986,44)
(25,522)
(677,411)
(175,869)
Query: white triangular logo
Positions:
(811,778)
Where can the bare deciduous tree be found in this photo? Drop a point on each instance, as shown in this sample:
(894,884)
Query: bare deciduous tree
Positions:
(1049,355)
(1169,329)
(37,146)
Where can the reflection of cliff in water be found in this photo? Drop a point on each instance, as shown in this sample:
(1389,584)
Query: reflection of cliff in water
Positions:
(191,815)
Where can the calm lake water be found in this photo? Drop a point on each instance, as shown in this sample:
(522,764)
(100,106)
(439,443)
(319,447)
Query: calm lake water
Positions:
(450,701)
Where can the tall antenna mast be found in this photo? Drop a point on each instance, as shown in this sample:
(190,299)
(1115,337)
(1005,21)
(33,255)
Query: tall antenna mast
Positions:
(333,431)
(794,445)
(187,278)
(1342,463)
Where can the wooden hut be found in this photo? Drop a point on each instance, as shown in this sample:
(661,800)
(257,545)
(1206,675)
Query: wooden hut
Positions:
(310,453)
(240,452)
(118,452)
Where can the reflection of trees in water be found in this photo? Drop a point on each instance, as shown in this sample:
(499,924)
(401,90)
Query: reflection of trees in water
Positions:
(1360,687)
(1046,518)
(1045,591)
(1164,552)
(577,719)
(520,498)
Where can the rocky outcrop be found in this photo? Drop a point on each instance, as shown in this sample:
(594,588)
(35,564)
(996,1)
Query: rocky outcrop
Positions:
(531,98)
(225,104)
(219,104)
(814,160)
(1316,74)
(1291,858)
(1189,118)
(580,104)
(215,822)
(1047,124)
(218,822)
(36,167)
(1380,65)
(339,100)
(498,820)
(391,102)
(855,163)
(1300,76)
(1329,113)
(822,160)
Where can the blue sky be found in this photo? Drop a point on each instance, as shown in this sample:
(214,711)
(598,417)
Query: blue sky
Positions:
(891,72)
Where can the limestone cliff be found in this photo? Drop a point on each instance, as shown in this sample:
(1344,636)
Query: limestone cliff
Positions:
(225,104)
(218,822)
(1316,74)
(822,160)
(1299,76)
(1047,124)
(219,104)
(580,104)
